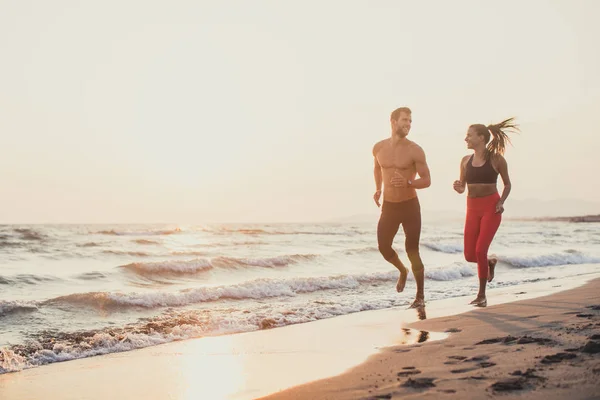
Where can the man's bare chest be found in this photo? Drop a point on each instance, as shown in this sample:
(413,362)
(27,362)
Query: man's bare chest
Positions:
(399,157)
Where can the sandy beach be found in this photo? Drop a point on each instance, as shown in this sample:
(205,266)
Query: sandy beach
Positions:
(542,348)
(439,356)
(242,200)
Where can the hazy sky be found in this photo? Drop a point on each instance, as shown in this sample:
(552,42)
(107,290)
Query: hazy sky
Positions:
(198,111)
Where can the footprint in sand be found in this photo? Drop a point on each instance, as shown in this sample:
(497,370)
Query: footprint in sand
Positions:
(529,374)
(506,339)
(529,339)
(482,364)
(509,385)
(510,339)
(519,383)
(455,360)
(558,357)
(462,370)
(490,341)
(453,330)
(486,364)
(457,357)
(478,358)
(591,347)
(380,396)
(474,377)
(419,383)
(408,372)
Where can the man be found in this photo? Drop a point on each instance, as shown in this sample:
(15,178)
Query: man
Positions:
(398,160)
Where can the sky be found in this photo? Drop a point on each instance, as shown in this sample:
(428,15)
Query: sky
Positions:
(267,111)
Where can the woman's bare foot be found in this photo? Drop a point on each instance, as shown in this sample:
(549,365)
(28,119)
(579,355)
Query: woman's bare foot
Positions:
(402,280)
(492,266)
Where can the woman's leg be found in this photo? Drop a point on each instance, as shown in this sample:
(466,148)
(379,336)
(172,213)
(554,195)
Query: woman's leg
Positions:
(488,228)
(471,234)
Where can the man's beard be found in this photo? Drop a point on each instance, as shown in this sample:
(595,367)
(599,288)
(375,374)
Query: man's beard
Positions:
(400,132)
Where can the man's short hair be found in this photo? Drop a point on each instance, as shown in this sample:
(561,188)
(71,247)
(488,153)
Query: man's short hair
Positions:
(396,113)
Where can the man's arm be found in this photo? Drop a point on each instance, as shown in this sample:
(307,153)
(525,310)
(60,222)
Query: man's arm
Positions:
(377,168)
(377,175)
(424,180)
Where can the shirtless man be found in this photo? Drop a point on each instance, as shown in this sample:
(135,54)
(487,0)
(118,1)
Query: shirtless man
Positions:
(397,163)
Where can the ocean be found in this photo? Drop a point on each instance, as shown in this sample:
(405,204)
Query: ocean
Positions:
(74,291)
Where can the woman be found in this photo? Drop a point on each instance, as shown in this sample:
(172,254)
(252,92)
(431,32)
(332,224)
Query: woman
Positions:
(479,173)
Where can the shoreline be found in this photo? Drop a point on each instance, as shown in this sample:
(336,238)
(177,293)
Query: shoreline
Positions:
(254,364)
(591,218)
(544,348)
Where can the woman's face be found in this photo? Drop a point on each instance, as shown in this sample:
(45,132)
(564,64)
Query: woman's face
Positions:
(473,139)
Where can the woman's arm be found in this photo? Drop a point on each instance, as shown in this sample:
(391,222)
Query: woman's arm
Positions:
(460,184)
(502,168)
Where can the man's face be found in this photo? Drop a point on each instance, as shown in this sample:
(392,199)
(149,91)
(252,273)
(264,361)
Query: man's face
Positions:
(401,126)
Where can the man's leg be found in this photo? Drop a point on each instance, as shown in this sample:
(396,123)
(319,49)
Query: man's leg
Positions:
(411,224)
(388,225)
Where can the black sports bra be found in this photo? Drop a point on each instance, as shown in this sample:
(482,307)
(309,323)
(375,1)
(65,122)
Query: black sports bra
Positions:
(484,174)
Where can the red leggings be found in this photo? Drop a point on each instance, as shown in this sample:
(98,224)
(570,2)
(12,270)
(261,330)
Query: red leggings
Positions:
(481,225)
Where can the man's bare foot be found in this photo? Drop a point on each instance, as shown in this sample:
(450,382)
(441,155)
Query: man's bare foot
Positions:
(480,301)
(492,266)
(418,303)
(402,280)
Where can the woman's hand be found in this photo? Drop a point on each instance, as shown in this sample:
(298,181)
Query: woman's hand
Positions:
(500,207)
(459,187)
